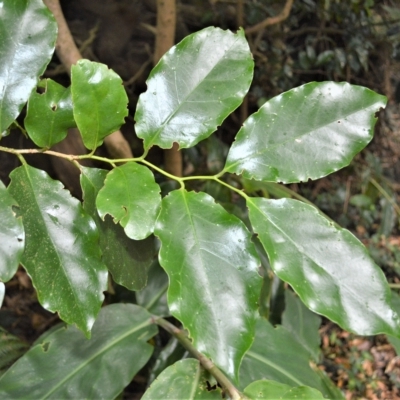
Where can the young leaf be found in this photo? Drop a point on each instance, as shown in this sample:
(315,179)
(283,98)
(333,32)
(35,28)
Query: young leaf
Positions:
(193,88)
(278,356)
(12,236)
(264,389)
(62,254)
(303,324)
(305,133)
(328,267)
(132,197)
(28,34)
(100,101)
(183,380)
(212,267)
(128,260)
(76,368)
(49,114)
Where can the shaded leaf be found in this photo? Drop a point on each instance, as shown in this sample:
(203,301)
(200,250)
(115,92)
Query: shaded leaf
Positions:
(303,324)
(274,390)
(28,34)
(132,197)
(278,356)
(153,297)
(100,101)
(76,368)
(183,380)
(49,114)
(305,133)
(212,267)
(62,254)
(193,88)
(11,347)
(12,236)
(395,341)
(128,260)
(328,267)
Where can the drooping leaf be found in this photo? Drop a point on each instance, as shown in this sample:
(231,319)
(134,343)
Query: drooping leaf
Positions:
(212,267)
(303,324)
(183,380)
(153,297)
(12,236)
(264,390)
(62,254)
(278,356)
(193,88)
(132,197)
(49,114)
(328,267)
(305,133)
(28,34)
(100,101)
(128,260)
(67,365)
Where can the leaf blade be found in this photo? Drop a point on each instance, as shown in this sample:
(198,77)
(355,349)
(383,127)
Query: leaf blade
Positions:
(312,255)
(189,91)
(28,34)
(211,263)
(88,369)
(61,254)
(12,236)
(100,101)
(316,128)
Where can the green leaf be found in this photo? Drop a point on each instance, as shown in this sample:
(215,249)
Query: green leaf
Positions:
(153,297)
(277,355)
(193,88)
(132,197)
(305,133)
(183,380)
(128,260)
(49,114)
(62,254)
(212,267)
(12,236)
(76,368)
(100,101)
(395,341)
(328,267)
(11,348)
(28,34)
(264,389)
(303,324)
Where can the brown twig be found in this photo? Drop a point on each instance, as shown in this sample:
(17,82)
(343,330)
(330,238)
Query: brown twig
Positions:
(272,20)
(69,55)
(165,39)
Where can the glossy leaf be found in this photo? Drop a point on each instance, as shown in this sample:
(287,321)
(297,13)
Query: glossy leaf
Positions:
(132,197)
(49,114)
(274,390)
(328,267)
(212,267)
(100,101)
(153,297)
(128,260)
(28,34)
(183,380)
(193,88)
(12,236)
(303,324)
(278,356)
(305,133)
(66,365)
(62,254)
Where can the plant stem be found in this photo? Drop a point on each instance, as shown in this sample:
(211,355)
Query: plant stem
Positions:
(206,363)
